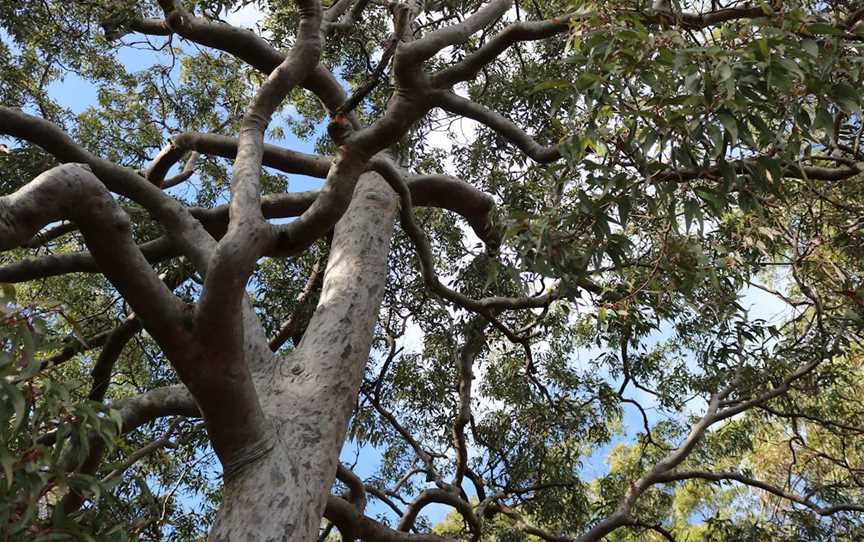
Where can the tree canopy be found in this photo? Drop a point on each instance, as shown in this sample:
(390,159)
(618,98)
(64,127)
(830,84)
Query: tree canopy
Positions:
(556,270)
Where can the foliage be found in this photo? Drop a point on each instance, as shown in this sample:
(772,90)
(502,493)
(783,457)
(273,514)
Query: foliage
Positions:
(37,474)
(702,231)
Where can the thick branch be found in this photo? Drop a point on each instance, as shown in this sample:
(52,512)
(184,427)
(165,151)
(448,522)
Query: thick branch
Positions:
(440,191)
(218,145)
(418,51)
(245,45)
(185,231)
(78,262)
(72,192)
(430,496)
(352,523)
(794,171)
(219,312)
(497,123)
(356,489)
(345,20)
(514,33)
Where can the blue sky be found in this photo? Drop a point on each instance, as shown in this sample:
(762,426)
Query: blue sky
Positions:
(77,95)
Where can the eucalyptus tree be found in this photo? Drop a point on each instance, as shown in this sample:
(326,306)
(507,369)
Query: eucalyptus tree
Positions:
(615,181)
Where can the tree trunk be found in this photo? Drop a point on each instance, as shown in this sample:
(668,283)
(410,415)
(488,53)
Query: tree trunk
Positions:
(309,395)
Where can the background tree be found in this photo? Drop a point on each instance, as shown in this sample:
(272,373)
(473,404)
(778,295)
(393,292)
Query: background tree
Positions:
(190,343)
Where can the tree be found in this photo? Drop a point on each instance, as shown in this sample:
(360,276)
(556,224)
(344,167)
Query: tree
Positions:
(629,178)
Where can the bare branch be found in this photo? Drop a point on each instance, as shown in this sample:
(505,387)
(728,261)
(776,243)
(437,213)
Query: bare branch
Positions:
(185,231)
(776,391)
(439,496)
(153,446)
(473,63)
(483,306)
(524,526)
(656,527)
(413,54)
(498,123)
(697,21)
(295,326)
(474,342)
(114,345)
(774,490)
(354,525)
(72,192)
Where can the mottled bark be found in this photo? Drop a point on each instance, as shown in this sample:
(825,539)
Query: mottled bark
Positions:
(278,423)
(308,396)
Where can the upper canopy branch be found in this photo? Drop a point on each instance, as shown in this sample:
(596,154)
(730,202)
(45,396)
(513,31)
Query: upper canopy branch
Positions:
(185,231)
(498,123)
(790,170)
(342,15)
(241,43)
(512,34)
(72,192)
(759,484)
(664,470)
(248,233)
(698,21)
(418,51)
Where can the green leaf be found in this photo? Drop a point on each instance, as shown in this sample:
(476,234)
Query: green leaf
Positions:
(824,29)
(18,403)
(715,202)
(624,206)
(7,461)
(811,47)
(724,72)
(717,141)
(8,295)
(730,124)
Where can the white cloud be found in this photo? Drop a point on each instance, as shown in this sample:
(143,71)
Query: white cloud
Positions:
(248,16)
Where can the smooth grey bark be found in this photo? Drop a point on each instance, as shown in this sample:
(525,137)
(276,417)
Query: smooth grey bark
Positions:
(308,396)
(278,423)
